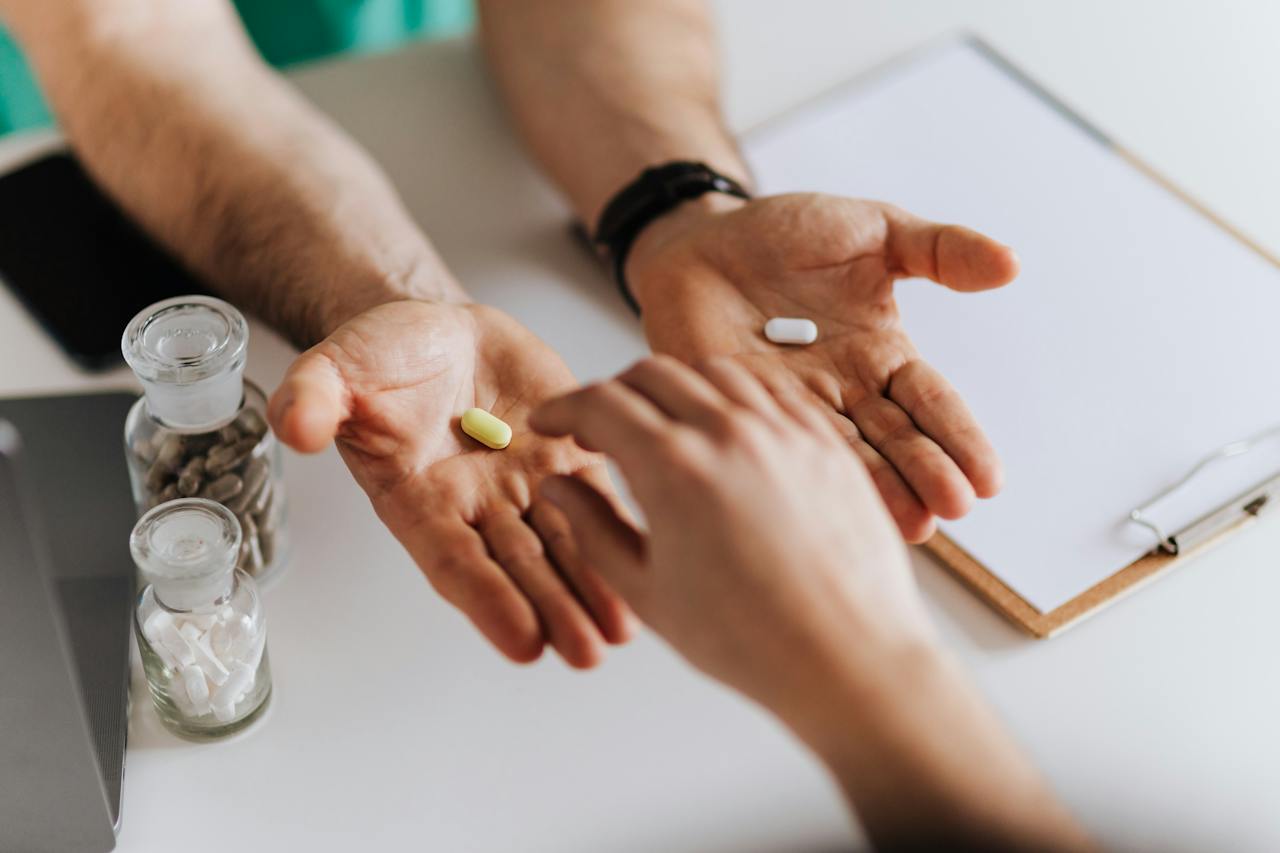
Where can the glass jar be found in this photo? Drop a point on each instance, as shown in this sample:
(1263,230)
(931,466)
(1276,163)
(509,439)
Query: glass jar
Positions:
(199,620)
(200,429)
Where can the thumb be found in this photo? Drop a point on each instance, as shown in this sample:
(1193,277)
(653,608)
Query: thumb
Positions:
(310,404)
(606,542)
(952,255)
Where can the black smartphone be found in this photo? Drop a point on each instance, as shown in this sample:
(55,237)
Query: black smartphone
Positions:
(77,262)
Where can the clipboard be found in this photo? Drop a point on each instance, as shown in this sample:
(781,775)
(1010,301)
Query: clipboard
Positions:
(1169,546)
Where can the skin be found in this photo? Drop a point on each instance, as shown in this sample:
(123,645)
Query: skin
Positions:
(285,216)
(289,219)
(711,276)
(760,515)
(470,516)
(278,210)
(638,84)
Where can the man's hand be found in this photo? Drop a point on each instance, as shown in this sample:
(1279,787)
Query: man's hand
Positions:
(769,561)
(390,386)
(770,564)
(709,275)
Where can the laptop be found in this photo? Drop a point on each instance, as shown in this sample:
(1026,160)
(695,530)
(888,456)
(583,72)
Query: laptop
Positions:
(66,599)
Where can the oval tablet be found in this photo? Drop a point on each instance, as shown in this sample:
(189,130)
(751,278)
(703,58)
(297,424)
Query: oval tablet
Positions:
(791,330)
(486,429)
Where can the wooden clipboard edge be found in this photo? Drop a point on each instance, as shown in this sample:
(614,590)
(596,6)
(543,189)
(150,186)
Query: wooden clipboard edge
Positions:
(1040,625)
(1195,204)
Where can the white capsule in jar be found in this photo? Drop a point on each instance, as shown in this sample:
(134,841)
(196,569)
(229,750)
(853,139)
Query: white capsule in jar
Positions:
(792,331)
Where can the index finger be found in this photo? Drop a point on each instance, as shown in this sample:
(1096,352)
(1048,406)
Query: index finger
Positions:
(608,417)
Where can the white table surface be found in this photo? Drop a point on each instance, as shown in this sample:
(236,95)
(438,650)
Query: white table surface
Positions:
(395,727)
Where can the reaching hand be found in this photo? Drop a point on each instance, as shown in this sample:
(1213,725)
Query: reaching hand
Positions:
(709,275)
(771,565)
(390,386)
(770,562)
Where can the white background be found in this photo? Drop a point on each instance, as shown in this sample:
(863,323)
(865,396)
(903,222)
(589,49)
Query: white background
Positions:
(394,727)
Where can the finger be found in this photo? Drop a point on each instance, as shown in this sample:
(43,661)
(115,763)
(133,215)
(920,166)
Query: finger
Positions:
(453,557)
(940,412)
(931,473)
(804,405)
(612,617)
(608,417)
(678,390)
(614,548)
(520,553)
(737,384)
(914,520)
(310,404)
(953,255)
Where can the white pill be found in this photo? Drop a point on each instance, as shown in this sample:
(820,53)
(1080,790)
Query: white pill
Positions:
(240,681)
(220,640)
(178,693)
(166,657)
(155,622)
(177,645)
(197,689)
(202,621)
(225,712)
(255,652)
(791,330)
(213,667)
(241,637)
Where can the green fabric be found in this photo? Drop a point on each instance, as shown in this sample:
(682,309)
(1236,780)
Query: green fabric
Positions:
(286,32)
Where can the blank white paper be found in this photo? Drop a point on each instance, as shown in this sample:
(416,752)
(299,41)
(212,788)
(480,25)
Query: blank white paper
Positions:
(1138,337)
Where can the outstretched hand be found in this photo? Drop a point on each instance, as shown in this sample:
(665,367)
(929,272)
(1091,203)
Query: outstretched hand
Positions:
(769,561)
(708,276)
(389,386)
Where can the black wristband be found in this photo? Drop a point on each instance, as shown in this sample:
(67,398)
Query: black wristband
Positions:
(656,191)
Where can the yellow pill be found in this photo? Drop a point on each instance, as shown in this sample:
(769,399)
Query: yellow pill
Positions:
(486,429)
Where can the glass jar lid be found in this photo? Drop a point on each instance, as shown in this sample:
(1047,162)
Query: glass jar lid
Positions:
(189,354)
(187,550)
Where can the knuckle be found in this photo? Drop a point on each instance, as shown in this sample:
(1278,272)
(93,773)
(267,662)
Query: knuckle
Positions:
(645,367)
(522,552)
(725,425)
(559,541)
(448,576)
(593,392)
(547,456)
(742,430)
(680,446)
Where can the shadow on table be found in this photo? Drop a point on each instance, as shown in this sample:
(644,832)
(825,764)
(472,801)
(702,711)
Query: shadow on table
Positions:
(987,629)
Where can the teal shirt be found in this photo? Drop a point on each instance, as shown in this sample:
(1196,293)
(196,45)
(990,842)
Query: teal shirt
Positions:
(286,32)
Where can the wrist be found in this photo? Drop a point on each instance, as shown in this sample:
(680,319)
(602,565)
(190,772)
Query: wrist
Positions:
(861,688)
(425,281)
(659,236)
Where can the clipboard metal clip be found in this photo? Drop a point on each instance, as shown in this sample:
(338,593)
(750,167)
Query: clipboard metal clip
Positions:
(1242,508)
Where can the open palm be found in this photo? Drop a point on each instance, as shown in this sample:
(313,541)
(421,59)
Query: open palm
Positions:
(390,386)
(708,281)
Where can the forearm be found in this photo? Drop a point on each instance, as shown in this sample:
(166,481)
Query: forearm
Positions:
(604,89)
(925,763)
(171,110)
